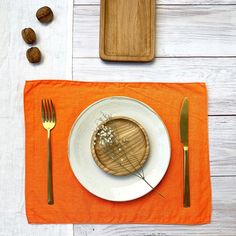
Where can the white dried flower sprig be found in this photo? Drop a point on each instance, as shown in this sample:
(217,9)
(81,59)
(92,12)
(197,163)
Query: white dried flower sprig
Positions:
(103,118)
(106,135)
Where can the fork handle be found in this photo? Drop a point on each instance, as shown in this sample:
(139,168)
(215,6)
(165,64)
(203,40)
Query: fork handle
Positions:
(50,193)
(186,179)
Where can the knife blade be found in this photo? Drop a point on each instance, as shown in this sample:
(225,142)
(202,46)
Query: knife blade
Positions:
(184,141)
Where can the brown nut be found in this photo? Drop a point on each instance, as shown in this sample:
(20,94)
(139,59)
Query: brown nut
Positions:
(44,14)
(28,35)
(33,55)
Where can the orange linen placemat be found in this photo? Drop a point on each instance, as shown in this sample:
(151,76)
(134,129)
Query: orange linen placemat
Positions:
(73,203)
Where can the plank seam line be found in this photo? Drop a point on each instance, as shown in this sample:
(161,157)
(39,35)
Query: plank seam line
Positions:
(223,176)
(222,115)
(180,4)
(177,57)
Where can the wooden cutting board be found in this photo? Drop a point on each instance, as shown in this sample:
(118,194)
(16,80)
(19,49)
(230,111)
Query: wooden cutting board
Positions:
(127,30)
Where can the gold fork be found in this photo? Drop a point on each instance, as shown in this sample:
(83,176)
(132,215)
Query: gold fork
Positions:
(49,121)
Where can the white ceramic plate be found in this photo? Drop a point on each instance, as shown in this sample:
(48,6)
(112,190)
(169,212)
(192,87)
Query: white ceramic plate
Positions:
(95,180)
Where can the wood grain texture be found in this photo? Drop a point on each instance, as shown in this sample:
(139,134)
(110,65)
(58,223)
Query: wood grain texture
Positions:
(169,2)
(218,73)
(127,30)
(223,219)
(222,140)
(120,146)
(181,31)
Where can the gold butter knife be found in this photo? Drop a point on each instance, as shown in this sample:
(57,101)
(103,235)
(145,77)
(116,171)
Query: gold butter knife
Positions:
(184,141)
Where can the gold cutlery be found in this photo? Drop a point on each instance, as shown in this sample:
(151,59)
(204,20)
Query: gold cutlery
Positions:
(184,141)
(49,121)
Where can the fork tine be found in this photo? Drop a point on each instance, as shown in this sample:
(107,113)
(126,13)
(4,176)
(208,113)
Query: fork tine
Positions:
(42,110)
(46,109)
(49,111)
(53,112)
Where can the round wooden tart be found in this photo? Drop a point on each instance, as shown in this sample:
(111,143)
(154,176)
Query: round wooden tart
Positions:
(120,146)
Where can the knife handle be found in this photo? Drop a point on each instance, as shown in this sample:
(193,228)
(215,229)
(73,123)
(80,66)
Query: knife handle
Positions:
(186,179)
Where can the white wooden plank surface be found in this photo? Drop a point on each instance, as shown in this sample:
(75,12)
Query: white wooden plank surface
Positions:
(169,2)
(180,31)
(218,73)
(223,218)
(14,70)
(222,140)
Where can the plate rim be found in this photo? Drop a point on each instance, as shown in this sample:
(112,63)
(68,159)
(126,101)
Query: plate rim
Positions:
(101,100)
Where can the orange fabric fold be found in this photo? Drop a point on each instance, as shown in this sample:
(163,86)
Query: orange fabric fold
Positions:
(73,203)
